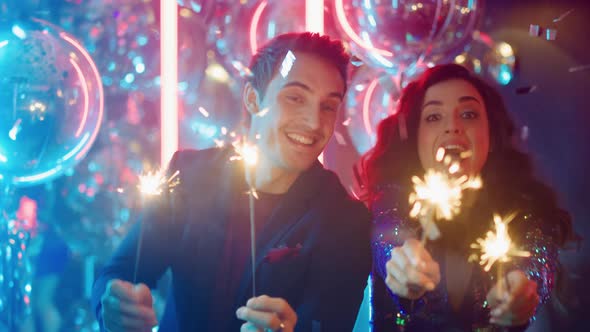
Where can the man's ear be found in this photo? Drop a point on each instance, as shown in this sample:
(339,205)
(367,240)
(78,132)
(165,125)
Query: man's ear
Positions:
(251,99)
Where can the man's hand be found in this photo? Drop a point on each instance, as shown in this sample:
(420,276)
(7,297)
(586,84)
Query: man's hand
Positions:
(127,307)
(264,313)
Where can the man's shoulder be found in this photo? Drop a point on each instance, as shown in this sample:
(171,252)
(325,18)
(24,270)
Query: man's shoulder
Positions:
(333,195)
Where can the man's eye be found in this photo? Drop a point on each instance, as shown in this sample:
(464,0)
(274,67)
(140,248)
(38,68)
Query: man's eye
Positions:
(329,108)
(295,99)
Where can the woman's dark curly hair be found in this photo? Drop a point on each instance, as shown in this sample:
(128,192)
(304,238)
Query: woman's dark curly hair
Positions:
(507,174)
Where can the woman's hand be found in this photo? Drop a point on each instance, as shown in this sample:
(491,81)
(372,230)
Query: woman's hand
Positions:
(411,271)
(517,304)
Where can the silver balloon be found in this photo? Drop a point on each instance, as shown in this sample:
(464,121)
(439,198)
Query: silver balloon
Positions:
(211,115)
(395,35)
(372,96)
(492,59)
(462,17)
(202,8)
(123,38)
(390,35)
(240,28)
(51,102)
(101,192)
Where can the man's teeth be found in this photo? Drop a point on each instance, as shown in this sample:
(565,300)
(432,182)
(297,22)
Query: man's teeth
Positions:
(301,139)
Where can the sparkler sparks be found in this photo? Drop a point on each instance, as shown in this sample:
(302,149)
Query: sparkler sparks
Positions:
(154,183)
(245,151)
(439,195)
(497,247)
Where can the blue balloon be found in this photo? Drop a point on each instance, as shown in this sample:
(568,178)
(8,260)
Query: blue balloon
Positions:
(51,102)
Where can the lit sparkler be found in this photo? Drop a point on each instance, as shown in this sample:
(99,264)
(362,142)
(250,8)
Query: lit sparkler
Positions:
(154,183)
(248,153)
(497,247)
(438,195)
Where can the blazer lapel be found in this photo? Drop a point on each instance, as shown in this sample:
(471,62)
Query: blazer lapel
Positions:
(208,220)
(285,217)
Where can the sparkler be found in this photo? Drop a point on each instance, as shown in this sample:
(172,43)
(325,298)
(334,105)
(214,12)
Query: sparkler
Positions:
(438,195)
(249,154)
(497,247)
(152,184)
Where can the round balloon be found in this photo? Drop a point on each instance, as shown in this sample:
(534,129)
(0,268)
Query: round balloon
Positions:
(371,97)
(202,8)
(461,18)
(123,38)
(395,35)
(239,29)
(208,116)
(51,101)
(492,59)
(388,34)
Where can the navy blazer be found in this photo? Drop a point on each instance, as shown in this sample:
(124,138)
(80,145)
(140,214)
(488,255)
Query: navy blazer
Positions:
(184,231)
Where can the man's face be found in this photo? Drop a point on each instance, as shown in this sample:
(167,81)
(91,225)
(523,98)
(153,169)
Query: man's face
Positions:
(296,116)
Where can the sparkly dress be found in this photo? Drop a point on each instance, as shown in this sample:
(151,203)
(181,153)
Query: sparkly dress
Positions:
(436,310)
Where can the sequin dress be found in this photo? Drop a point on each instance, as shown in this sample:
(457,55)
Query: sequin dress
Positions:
(434,312)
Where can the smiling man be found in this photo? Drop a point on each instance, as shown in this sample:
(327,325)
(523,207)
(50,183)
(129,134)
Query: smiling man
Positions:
(312,249)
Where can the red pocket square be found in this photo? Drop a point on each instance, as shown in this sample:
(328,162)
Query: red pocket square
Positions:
(280,253)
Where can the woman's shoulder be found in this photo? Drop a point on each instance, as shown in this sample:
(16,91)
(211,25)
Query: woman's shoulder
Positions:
(388,197)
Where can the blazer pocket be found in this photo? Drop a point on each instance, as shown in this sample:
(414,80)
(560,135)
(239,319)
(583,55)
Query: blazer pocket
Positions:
(286,275)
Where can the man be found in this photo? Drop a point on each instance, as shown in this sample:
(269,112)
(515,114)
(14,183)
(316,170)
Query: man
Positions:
(312,239)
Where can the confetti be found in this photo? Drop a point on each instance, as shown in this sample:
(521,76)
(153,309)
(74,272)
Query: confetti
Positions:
(562,16)
(551,34)
(526,89)
(356,61)
(339,138)
(579,68)
(534,30)
(204,112)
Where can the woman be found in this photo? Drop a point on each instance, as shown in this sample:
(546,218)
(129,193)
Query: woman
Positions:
(434,287)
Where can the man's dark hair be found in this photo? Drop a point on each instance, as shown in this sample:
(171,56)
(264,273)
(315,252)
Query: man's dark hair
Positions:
(269,57)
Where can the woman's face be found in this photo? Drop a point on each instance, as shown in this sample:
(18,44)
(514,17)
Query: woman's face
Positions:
(454,117)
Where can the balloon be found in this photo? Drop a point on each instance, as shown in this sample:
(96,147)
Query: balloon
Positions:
(394,35)
(489,58)
(51,102)
(372,96)
(239,29)
(124,38)
(209,116)
(462,17)
(101,193)
(202,8)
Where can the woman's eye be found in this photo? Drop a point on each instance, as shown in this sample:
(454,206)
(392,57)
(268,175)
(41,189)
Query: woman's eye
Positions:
(432,117)
(469,115)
